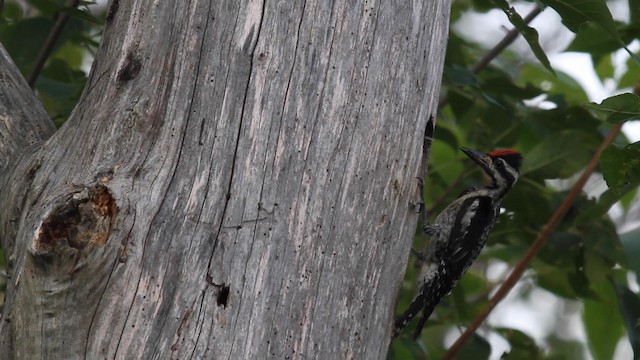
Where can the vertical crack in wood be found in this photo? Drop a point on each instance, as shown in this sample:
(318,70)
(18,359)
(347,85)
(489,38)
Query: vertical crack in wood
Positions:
(237,142)
(111,13)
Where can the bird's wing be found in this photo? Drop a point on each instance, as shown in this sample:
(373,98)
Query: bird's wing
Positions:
(474,219)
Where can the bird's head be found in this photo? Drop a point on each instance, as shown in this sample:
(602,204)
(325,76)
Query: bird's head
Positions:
(501,166)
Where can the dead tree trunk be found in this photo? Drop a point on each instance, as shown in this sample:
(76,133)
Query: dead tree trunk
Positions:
(233,183)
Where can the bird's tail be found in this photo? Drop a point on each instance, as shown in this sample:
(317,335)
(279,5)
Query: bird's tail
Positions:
(429,296)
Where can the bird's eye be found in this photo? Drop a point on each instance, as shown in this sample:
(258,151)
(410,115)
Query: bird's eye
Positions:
(500,163)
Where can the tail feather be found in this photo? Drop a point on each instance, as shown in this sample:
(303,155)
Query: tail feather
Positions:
(426,300)
(423,320)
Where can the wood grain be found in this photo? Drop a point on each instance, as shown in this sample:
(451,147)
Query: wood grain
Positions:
(262,157)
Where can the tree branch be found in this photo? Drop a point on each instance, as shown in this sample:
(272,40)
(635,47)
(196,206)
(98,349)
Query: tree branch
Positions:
(47,47)
(23,120)
(509,38)
(542,237)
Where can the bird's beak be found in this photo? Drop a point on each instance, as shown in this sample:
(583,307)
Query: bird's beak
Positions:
(479,158)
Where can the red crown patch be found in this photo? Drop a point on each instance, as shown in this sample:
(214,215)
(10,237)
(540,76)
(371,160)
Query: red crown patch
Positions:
(503,152)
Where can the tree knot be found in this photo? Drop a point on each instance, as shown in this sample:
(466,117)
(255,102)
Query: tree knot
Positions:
(79,219)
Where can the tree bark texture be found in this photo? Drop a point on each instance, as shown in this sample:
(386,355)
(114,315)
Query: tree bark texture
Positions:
(234,183)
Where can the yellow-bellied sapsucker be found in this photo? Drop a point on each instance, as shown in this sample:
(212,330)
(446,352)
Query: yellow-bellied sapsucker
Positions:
(460,232)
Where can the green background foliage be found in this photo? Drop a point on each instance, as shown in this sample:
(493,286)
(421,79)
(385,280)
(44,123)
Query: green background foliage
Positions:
(587,265)
(25,27)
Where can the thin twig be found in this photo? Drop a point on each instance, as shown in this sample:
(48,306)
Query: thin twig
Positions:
(496,50)
(47,47)
(542,237)
(511,36)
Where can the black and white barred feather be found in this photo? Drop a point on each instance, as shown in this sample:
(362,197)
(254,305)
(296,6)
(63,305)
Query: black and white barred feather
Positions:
(459,233)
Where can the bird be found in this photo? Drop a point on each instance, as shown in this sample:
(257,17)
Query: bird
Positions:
(459,233)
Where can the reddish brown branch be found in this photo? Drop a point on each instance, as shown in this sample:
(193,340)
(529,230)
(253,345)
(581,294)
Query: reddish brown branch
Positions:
(542,237)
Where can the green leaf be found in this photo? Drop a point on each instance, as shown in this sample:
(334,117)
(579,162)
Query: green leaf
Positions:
(575,13)
(405,348)
(628,198)
(460,76)
(446,133)
(47,7)
(522,345)
(459,52)
(592,40)
(530,201)
(432,341)
(560,86)
(604,67)
(555,280)
(632,249)
(82,15)
(603,324)
(477,348)
(501,84)
(398,350)
(463,295)
(630,311)
(71,56)
(629,32)
(561,349)
(548,122)
(557,156)
(601,240)
(621,166)
(634,11)
(605,202)
(483,5)
(445,161)
(631,76)
(59,98)
(582,271)
(459,299)
(529,33)
(618,108)
(11,12)
(596,268)
(24,52)
(460,103)
(561,249)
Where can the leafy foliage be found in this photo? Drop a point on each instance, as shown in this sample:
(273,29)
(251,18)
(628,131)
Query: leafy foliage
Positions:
(529,33)
(65,72)
(523,105)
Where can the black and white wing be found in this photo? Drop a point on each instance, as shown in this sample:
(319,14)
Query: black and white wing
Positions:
(474,219)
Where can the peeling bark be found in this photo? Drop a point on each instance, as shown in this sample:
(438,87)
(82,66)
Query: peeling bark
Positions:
(234,183)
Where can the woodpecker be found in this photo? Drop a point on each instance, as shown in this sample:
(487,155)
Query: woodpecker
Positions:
(460,232)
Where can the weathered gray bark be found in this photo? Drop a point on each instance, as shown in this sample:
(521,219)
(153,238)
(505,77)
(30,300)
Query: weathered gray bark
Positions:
(234,183)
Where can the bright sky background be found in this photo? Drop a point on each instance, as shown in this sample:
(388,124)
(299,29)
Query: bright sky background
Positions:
(554,37)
